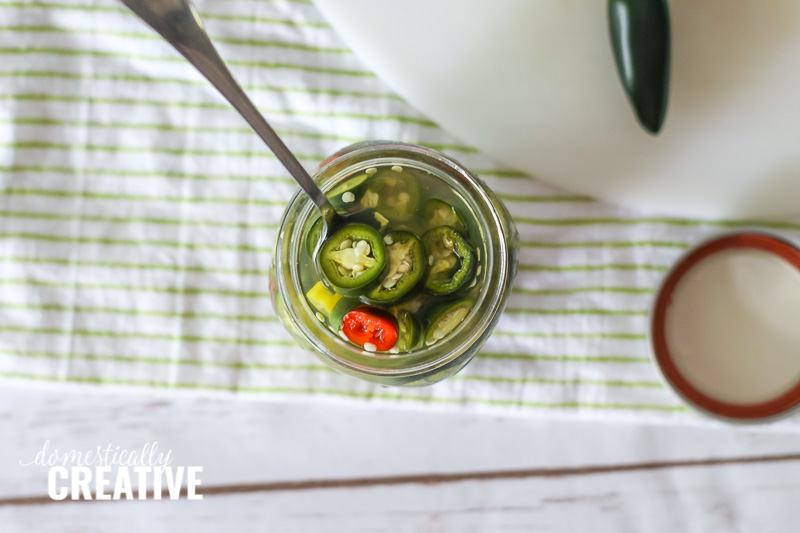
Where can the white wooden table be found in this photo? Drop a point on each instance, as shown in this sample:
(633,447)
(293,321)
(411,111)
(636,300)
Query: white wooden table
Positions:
(278,467)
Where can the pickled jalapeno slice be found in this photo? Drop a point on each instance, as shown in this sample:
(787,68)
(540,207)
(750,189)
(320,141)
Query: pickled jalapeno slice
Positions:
(440,213)
(406,267)
(347,194)
(412,304)
(394,193)
(370,328)
(451,260)
(312,236)
(338,311)
(353,258)
(408,331)
(445,318)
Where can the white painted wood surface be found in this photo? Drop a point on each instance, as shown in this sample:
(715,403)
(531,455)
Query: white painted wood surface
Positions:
(248,444)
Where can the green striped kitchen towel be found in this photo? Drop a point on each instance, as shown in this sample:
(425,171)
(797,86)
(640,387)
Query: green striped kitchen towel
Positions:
(137,215)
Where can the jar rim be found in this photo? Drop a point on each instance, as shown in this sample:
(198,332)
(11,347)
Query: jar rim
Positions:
(756,412)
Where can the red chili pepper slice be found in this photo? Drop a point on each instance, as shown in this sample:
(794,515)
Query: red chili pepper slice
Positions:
(368,325)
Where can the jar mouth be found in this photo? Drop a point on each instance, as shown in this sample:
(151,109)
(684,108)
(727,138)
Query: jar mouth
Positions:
(664,357)
(495,260)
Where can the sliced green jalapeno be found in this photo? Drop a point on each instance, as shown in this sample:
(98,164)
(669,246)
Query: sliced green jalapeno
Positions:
(394,193)
(408,331)
(446,318)
(439,213)
(353,258)
(451,260)
(411,304)
(312,236)
(406,268)
(341,308)
(347,194)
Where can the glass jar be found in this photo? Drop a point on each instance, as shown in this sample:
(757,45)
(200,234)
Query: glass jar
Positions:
(497,244)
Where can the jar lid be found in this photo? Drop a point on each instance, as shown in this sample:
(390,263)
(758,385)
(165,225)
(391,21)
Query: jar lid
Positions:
(725,327)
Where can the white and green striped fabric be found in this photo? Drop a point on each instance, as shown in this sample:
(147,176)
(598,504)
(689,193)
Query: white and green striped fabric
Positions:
(137,215)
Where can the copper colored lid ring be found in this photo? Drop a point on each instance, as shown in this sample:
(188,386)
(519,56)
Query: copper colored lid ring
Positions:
(756,241)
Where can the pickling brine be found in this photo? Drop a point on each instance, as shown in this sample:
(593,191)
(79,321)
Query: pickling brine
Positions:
(403,277)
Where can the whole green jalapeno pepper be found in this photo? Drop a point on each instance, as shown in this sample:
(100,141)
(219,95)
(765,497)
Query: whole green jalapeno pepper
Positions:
(640,38)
